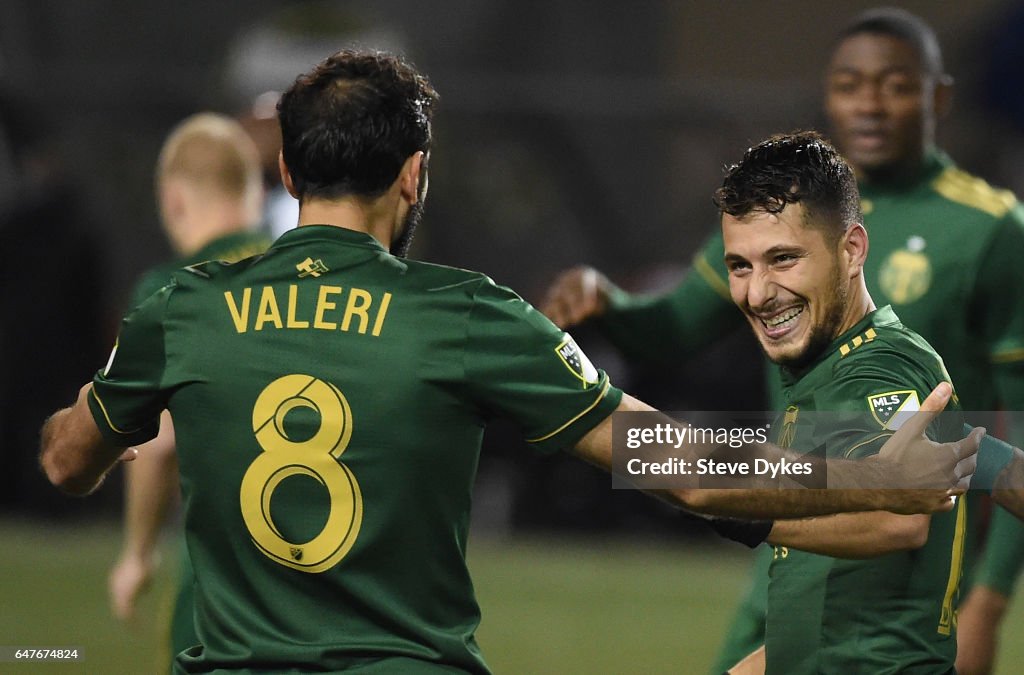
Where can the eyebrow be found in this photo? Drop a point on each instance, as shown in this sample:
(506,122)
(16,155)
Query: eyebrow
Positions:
(888,70)
(773,251)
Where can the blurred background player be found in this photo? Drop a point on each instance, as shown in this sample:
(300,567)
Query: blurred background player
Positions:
(209,191)
(945,253)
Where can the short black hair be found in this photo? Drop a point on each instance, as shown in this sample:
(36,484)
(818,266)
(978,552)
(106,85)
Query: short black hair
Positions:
(800,167)
(901,24)
(348,125)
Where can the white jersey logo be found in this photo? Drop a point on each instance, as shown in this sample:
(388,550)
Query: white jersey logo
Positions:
(893,408)
(576,361)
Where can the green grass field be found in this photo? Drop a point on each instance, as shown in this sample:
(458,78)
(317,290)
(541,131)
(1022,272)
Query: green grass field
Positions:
(578,606)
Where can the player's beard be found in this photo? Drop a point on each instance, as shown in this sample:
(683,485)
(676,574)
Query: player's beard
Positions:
(822,335)
(400,246)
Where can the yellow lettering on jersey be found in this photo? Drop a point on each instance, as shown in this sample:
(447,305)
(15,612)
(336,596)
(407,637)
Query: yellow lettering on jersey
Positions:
(269,313)
(293,301)
(239,317)
(323,305)
(381,313)
(359,302)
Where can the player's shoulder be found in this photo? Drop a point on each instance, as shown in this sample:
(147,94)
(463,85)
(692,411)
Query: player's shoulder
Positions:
(958,187)
(886,347)
(445,280)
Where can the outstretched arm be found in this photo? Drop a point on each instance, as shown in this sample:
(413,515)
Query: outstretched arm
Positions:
(908,460)
(853,535)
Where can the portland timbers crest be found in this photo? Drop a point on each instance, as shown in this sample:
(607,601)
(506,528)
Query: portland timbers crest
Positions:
(892,408)
(906,274)
(576,361)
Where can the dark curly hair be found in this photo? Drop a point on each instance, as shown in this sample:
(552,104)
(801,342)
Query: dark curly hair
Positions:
(348,125)
(801,167)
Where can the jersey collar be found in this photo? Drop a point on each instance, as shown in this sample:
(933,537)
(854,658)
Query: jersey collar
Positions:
(935,162)
(331,233)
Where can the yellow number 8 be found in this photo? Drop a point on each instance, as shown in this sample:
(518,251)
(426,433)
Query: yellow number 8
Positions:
(316,457)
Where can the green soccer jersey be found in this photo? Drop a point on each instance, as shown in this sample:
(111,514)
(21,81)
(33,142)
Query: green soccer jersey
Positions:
(329,403)
(890,614)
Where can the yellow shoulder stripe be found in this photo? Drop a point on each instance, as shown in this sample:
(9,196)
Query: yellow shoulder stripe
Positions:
(713,278)
(868,336)
(971,191)
(600,395)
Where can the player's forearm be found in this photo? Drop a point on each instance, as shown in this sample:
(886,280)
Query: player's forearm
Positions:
(852,535)
(764,504)
(73,454)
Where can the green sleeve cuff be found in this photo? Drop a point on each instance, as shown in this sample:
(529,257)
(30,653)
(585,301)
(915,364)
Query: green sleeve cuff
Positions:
(121,438)
(993,456)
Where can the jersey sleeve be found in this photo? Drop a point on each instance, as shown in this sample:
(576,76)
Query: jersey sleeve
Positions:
(520,366)
(127,398)
(999,301)
(689,318)
(871,396)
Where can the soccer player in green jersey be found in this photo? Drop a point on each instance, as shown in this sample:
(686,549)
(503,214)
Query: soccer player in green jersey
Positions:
(329,399)
(209,192)
(945,252)
(795,251)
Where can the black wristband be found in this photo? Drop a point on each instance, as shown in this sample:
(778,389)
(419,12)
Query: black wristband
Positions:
(747,532)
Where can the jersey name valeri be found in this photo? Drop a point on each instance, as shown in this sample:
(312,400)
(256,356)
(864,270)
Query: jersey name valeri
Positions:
(334,308)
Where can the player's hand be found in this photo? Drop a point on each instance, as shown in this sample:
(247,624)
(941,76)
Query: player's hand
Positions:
(576,295)
(128,579)
(930,472)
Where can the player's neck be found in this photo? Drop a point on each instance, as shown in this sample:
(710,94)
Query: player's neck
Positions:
(861,304)
(375,218)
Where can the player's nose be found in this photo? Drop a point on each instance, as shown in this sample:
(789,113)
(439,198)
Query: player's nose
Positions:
(761,291)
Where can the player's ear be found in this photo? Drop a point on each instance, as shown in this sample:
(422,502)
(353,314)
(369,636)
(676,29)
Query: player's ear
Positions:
(286,176)
(172,200)
(409,177)
(855,247)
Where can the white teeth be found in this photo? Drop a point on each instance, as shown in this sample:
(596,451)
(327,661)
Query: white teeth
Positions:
(780,319)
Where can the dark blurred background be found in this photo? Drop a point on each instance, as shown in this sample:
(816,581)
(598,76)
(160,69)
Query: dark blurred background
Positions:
(569,132)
